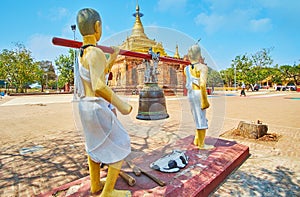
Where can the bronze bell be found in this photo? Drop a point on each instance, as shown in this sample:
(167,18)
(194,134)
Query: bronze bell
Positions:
(152,103)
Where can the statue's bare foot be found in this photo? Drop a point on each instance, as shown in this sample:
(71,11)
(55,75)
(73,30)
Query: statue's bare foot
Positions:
(117,193)
(206,147)
(99,187)
(196,141)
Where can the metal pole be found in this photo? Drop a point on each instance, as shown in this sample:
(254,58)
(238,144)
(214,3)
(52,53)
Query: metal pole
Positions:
(73,27)
(234,77)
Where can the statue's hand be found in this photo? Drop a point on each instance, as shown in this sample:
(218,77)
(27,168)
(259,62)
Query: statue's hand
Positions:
(113,56)
(116,50)
(204,104)
(204,99)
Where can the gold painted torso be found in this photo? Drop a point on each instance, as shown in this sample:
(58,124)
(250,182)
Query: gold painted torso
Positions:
(91,55)
(196,73)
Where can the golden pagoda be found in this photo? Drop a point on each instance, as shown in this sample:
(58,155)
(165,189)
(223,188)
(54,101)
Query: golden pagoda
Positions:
(129,72)
(138,40)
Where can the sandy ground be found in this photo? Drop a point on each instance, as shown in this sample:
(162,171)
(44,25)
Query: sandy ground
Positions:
(41,147)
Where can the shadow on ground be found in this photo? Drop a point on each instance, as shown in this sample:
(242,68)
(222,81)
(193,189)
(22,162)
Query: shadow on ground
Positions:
(36,166)
(26,169)
(265,182)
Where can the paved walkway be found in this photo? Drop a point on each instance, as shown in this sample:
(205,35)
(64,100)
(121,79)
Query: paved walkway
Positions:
(38,99)
(273,169)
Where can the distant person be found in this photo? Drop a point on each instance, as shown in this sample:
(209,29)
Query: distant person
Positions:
(243,93)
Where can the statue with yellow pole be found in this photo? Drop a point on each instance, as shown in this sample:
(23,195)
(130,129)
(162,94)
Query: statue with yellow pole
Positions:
(106,139)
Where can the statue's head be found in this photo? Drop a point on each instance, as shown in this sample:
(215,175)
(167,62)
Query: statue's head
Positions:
(89,22)
(194,53)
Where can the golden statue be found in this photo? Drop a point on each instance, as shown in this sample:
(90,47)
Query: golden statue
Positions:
(106,139)
(196,77)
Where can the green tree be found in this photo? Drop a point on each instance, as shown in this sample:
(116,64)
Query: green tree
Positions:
(47,75)
(61,81)
(227,76)
(261,60)
(214,78)
(254,68)
(242,65)
(18,67)
(290,73)
(276,75)
(65,65)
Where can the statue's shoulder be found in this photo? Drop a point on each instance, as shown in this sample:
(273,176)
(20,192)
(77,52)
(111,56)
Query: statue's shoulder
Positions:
(95,51)
(202,67)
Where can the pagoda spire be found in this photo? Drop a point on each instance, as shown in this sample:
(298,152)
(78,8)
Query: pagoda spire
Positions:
(176,55)
(138,29)
(138,41)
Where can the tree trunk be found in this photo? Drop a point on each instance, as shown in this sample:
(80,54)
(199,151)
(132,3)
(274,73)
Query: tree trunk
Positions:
(252,130)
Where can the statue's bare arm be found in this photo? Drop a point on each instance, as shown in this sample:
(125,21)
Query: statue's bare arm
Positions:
(97,71)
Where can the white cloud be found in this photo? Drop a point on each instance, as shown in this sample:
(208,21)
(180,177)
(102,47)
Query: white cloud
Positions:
(233,18)
(58,13)
(171,5)
(260,25)
(223,6)
(54,14)
(42,48)
(232,21)
(288,10)
(211,23)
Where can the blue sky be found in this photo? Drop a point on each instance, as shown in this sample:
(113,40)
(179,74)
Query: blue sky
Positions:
(227,28)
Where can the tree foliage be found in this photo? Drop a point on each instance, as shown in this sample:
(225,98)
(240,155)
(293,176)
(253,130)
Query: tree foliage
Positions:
(242,66)
(46,76)
(227,76)
(250,69)
(214,78)
(276,74)
(65,65)
(261,60)
(257,68)
(291,73)
(18,67)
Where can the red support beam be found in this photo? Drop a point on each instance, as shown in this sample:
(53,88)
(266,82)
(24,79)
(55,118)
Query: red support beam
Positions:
(105,49)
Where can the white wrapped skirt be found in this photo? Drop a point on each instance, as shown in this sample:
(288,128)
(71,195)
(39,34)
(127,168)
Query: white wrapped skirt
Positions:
(106,139)
(199,115)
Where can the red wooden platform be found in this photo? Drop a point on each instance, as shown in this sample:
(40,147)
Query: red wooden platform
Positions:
(205,171)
